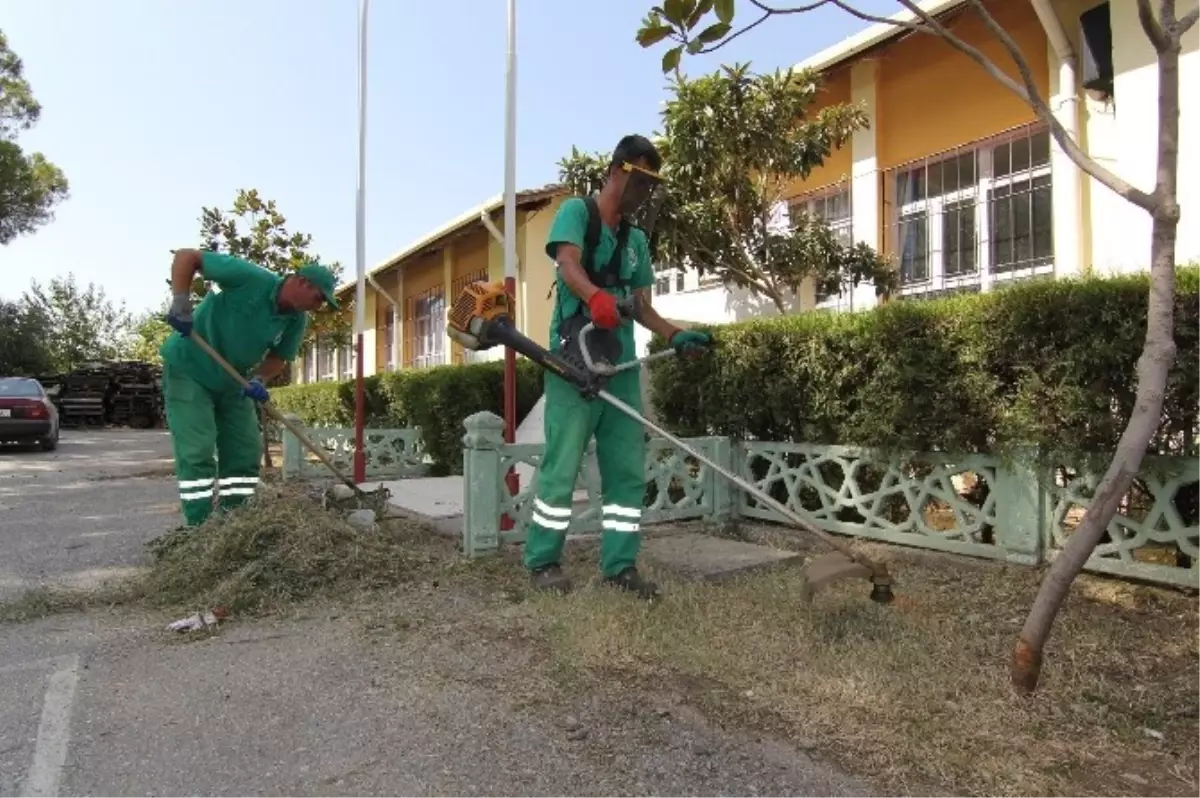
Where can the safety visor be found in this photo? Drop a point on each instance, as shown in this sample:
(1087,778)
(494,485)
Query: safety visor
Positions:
(643,195)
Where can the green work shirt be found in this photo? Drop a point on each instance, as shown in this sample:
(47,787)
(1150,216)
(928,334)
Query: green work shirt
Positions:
(242,322)
(569,227)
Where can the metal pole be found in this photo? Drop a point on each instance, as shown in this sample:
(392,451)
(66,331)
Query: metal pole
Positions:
(510,242)
(510,215)
(360,251)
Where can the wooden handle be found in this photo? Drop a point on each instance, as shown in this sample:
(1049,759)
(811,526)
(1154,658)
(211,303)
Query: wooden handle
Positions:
(274,413)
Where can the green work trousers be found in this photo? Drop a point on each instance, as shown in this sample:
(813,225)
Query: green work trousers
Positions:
(205,423)
(571,421)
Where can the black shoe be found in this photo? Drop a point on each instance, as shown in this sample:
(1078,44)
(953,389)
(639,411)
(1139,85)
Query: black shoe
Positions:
(550,578)
(632,581)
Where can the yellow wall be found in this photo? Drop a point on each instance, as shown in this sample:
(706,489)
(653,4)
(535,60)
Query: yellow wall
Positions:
(932,98)
(835,90)
(537,272)
(470,254)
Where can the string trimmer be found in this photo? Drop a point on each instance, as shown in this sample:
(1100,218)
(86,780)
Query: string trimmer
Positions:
(481,319)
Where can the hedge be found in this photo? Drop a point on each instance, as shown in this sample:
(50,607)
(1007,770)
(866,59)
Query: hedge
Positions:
(1046,363)
(437,400)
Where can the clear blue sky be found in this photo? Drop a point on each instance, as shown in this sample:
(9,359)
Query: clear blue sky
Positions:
(155,109)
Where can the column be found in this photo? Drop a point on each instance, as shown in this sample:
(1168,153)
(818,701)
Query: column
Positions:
(864,173)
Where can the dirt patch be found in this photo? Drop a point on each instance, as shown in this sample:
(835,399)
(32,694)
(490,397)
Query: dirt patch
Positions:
(915,694)
(912,697)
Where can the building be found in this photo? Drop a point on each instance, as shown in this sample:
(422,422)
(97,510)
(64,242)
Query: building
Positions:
(407,294)
(958,180)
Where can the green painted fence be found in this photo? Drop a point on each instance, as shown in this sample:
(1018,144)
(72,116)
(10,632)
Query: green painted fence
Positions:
(976,505)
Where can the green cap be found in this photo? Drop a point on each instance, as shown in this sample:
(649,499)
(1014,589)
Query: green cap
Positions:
(322,278)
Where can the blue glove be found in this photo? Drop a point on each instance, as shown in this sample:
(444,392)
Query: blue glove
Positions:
(256,390)
(180,314)
(690,343)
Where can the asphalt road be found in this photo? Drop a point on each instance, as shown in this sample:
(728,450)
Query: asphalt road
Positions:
(110,703)
(80,514)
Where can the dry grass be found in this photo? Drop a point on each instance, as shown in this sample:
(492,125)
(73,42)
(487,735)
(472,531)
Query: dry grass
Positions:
(914,696)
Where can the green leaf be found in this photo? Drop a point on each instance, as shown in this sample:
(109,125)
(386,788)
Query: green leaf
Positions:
(702,8)
(695,46)
(714,32)
(670,59)
(725,11)
(675,11)
(650,36)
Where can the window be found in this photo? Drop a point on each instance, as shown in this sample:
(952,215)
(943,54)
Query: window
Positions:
(325,360)
(427,315)
(346,359)
(668,281)
(389,338)
(976,216)
(310,363)
(833,208)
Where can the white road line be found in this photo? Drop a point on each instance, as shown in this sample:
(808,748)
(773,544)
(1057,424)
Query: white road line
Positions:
(54,731)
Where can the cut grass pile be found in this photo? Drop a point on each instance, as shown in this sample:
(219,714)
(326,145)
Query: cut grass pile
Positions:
(281,548)
(914,696)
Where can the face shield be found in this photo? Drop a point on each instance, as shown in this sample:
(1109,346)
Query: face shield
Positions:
(642,197)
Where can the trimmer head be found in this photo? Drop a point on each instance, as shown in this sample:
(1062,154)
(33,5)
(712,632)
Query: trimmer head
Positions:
(835,566)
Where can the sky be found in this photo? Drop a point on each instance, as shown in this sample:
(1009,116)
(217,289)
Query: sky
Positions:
(156,109)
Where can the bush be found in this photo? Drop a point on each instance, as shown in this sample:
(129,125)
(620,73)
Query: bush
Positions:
(1047,363)
(435,400)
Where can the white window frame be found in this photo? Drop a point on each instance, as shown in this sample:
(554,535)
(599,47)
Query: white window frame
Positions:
(389,338)
(669,280)
(841,227)
(326,361)
(983,278)
(429,330)
(346,356)
(310,363)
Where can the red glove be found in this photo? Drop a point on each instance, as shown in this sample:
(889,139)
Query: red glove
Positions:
(603,306)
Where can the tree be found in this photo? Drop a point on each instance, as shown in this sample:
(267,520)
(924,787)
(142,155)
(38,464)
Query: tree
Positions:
(30,186)
(85,324)
(24,335)
(675,20)
(255,230)
(150,330)
(733,145)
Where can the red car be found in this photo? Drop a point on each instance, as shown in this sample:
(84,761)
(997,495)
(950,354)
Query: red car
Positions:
(27,415)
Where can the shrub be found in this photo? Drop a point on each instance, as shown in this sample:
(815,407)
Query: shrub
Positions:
(436,400)
(1046,363)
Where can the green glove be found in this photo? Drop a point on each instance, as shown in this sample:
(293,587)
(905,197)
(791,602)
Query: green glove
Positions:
(689,342)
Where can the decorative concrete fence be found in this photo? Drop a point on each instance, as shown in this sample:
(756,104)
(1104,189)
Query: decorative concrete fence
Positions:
(390,453)
(977,505)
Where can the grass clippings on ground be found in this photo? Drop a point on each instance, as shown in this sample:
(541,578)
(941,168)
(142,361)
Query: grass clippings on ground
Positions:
(914,695)
(281,548)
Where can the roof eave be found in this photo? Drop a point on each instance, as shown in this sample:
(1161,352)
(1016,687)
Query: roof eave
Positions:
(869,37)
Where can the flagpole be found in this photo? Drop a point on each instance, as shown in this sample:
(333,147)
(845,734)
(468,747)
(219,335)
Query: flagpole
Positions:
(510,237)
(360,460)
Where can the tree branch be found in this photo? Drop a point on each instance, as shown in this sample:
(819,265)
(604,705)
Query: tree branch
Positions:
(1186,22)
(1154,31)
(1030,94)
(1026,90)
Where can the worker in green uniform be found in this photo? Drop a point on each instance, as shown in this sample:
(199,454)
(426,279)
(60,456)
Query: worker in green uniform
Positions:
(256,322)
(617,265)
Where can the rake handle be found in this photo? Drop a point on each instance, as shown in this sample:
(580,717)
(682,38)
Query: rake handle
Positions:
(274,413)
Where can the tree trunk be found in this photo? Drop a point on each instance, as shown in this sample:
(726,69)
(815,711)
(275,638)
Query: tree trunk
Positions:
(1153,366)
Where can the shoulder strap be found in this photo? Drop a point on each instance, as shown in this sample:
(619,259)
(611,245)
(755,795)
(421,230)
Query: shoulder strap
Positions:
(591,236)
(610,275)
